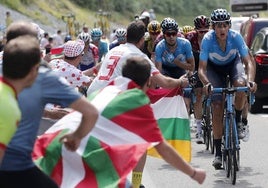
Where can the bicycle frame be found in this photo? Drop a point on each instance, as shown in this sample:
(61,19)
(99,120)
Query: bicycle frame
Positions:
(231,141)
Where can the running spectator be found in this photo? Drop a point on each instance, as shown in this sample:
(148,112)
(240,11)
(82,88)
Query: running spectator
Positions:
(112,67)
(67,67)
(96,35)
(121,38)
(17,168)
(91,53)
(201,24)
(21,60)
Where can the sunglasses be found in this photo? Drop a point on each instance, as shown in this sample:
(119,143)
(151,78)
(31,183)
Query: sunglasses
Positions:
(169,34)
(154,33)
(202,31)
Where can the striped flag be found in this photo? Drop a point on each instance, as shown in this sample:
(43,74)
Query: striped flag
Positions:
(171,113)
(106,156)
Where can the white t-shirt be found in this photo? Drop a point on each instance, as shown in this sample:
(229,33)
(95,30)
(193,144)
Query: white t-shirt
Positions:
(112,65)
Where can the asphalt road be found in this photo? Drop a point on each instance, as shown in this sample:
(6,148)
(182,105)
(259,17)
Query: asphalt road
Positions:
(253,171)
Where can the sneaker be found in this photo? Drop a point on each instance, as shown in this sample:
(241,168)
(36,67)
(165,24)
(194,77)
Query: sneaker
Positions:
(217,163)
(246,131)
(241,132)
(199,138)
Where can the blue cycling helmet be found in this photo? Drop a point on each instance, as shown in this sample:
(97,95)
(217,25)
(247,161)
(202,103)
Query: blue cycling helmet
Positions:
(96,33)
(169,24)
(220,15)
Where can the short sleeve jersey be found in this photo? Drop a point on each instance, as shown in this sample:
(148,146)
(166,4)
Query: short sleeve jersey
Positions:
(103,49)
(112,65)
(72,74)
(91,55)
(210,49)
(9,113)
(164,56)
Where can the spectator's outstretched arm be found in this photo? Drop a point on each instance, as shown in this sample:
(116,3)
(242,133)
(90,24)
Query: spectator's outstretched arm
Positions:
(89,118)
(173,158)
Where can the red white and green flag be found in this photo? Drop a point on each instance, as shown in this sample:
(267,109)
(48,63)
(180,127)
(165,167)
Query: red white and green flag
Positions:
(108,154)
(121,135)
(173,120)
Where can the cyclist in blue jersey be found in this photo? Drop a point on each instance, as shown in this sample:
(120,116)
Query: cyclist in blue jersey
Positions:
(220,53)
(121,38)
(173,55)
(96,35)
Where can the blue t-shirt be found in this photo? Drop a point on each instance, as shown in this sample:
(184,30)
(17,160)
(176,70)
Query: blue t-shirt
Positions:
(48,88)
(164,56)
(210,49)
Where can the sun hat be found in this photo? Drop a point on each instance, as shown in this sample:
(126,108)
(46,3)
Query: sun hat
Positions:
(73,48)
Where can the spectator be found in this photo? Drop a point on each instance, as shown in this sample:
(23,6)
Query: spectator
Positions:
(57,39)
(8,19)
(18,169)
(21,60)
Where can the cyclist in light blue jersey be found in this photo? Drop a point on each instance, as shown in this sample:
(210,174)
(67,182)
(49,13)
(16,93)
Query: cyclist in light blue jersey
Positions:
(103,47)
(221,49)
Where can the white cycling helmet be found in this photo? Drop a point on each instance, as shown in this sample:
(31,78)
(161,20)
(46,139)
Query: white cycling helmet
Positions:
(84,37)
(121,34)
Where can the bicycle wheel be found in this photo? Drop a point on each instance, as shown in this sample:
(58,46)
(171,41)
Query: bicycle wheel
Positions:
(233,150)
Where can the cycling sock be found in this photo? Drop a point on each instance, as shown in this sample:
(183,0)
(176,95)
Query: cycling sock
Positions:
(198,125)
(217,143)
(238,114)
(245,121)
(136,179)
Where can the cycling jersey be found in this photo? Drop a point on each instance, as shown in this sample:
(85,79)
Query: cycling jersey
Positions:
(90,57)
(9,113)
(114,44)
(103,49)
(112,65)
(166,58)
(211,50)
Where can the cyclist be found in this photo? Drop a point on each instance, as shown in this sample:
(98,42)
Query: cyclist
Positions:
(154,29)
(121,38)
(96,35)
(219,57)
(173,55)
(91,53)
(201,24)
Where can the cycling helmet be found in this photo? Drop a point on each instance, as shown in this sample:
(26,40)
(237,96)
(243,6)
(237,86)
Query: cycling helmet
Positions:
(154,27)
(186,29)
(121,34)
(169,24)
(84,37)
(220,15)
(201,22)
(96,33)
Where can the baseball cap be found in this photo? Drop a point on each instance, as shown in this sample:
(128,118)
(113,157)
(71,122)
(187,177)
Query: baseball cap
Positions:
(73,48)
(144,15)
